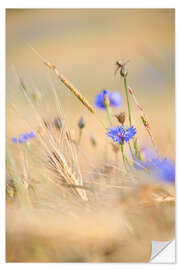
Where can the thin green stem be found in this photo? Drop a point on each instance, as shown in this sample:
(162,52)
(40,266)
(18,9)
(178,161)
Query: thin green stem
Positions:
(129,113)
(123,156)
(130,148)
(127,98)
(79,138)
(78,144)
(13,170)
(136,152)
(108,114)
(23,194)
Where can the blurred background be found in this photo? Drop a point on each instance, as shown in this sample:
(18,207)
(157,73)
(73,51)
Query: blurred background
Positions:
(84,45)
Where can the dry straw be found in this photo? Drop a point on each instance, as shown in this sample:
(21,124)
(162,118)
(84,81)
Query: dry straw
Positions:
(143,117)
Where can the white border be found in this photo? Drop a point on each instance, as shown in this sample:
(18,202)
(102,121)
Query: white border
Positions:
(73,4)
(90,4)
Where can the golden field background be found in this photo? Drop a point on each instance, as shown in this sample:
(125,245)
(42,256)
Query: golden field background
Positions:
(84,44)
(124,212)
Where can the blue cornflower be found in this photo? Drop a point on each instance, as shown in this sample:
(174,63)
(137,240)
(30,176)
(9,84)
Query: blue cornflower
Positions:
(14,140)
(146,156)
(138,165)
(163,169)
(31,135)
(121,134)
(113,97)
(24,137)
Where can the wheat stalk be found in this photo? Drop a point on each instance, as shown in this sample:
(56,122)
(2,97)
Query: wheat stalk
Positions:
(67,172)
(66,83)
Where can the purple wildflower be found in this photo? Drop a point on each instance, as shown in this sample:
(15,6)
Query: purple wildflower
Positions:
(163,169)
(14,140)
(24,137)
(31,135)
(114,99)
(121,134)
(147,154)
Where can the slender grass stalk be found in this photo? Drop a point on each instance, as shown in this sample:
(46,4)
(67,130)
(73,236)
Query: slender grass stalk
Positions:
(129,113)
(22,193)
(143,118)
(14,172)
(123,156)
(128,162)
(127,98)
(79,139)
(136,153)
(78,186)
(108,114)
(80,136)
(130,149)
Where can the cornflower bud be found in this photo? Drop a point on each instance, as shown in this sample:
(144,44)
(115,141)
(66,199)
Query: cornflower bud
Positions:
(57,123)
(121,117)
(81,123)
(140,155)
(145,122)
(123,72)
(121,65)
(136,144)
(36,95)
(106,98)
